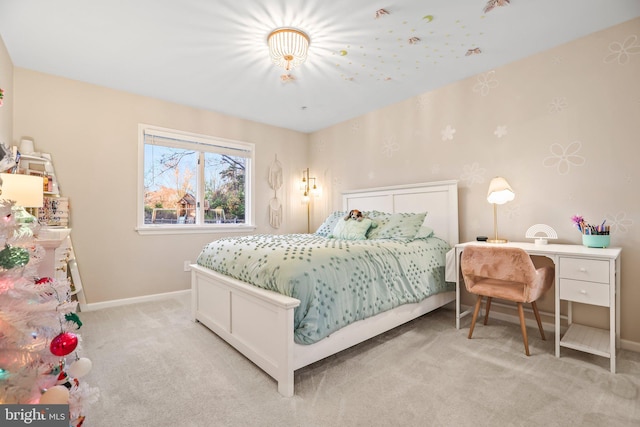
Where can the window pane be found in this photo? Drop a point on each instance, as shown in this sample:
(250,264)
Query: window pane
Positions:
(170,177)
(224,189)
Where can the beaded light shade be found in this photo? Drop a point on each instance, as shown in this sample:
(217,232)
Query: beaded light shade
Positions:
(288,47)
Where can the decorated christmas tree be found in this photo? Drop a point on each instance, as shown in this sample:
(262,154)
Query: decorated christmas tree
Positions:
(40,360)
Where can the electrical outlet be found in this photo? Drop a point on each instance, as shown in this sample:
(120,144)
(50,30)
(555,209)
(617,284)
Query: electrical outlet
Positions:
(187,267)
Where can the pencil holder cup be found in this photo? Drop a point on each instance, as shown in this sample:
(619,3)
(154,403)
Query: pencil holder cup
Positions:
(596,240)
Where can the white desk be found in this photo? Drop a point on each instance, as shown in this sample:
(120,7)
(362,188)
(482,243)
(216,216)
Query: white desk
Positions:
(584,275)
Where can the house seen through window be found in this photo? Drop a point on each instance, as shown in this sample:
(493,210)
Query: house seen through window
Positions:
(191,180)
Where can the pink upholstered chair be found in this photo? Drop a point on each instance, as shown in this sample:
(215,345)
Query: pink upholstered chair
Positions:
(508,274)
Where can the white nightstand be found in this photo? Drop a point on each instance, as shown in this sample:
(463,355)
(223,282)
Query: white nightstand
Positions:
(583,275)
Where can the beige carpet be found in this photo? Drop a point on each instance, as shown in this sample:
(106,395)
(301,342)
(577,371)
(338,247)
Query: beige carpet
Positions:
(154,367)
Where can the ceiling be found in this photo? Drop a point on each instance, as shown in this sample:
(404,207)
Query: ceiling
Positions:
(213,54)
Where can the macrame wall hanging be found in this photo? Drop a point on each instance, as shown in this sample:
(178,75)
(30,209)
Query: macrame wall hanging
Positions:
(275,182)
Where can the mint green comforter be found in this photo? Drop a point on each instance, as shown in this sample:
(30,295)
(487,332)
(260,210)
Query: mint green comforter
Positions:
(337,281)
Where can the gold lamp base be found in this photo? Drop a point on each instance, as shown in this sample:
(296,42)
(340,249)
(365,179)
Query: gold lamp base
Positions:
(497,241)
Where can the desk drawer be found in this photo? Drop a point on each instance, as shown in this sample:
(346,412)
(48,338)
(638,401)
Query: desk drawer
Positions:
(592,270)
(584,292)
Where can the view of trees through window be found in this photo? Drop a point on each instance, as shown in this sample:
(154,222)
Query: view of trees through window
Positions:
(171,186)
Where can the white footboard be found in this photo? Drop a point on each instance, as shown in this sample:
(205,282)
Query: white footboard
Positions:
(257,322)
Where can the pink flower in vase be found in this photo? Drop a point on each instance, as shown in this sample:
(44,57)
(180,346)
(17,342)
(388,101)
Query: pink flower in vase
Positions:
(578,221)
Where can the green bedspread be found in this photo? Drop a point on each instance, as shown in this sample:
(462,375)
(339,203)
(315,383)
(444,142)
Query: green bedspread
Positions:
(336,281)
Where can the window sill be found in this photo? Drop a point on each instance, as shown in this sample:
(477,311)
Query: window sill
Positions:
(194,229)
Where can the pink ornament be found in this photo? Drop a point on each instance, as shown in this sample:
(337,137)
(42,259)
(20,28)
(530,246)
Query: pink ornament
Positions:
(63,344)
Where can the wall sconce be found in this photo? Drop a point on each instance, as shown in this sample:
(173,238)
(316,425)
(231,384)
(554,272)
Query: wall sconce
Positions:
(500,192)
(308,190)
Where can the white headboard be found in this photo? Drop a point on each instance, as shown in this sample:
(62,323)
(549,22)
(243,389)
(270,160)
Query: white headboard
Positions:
(438,199)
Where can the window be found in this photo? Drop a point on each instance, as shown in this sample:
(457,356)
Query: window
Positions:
(190,183)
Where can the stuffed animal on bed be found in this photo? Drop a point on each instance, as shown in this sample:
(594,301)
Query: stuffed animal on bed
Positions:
(352,230)
(354,214)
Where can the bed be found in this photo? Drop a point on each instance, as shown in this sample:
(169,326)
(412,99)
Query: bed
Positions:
(260,322)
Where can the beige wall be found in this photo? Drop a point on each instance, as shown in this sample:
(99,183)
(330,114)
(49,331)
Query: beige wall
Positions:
(91,133)
(6,83)
(570,119)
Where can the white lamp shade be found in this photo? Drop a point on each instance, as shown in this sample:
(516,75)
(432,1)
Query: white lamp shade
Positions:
(500,192)
(26,146)
(25,190)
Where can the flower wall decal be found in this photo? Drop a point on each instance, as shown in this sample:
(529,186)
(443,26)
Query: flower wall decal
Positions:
(620,52)
(423,102)
(500,131)
(390,146)
(619,222)
(447,133)
(473,174)
(486,82)
(557,105)
(563,158)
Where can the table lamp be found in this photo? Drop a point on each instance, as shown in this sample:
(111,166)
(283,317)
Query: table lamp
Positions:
(25,190)
(500,192)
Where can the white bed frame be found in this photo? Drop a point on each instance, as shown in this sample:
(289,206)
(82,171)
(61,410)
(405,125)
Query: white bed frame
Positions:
(259,323)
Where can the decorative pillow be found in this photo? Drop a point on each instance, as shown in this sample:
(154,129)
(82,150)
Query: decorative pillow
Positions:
(424,232)
(399,226)
(330,223)
(351,229)
(378,218)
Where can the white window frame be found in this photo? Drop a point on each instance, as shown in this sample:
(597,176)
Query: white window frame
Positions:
(247,226)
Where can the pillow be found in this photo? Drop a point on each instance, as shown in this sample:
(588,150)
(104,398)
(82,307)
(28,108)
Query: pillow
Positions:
(399,226)
(351,230)
(424,232)
(329,224)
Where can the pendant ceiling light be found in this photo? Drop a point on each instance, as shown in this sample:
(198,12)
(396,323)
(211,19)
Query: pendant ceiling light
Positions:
(288,47)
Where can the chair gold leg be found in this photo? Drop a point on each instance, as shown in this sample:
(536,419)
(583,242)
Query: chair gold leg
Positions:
(475,315)
(537,314)
(523,326)
(487,308)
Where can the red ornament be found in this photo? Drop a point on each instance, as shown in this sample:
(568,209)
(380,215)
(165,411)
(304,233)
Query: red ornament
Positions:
(44,280)
(63,344)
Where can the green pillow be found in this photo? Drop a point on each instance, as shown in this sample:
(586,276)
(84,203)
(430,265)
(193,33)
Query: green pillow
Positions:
(329,224)
(398,226)
(351,229)
(424,232)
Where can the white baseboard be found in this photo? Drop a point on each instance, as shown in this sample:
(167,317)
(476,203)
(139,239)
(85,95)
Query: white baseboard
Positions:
(630,345)
(126,301)
(531,323)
